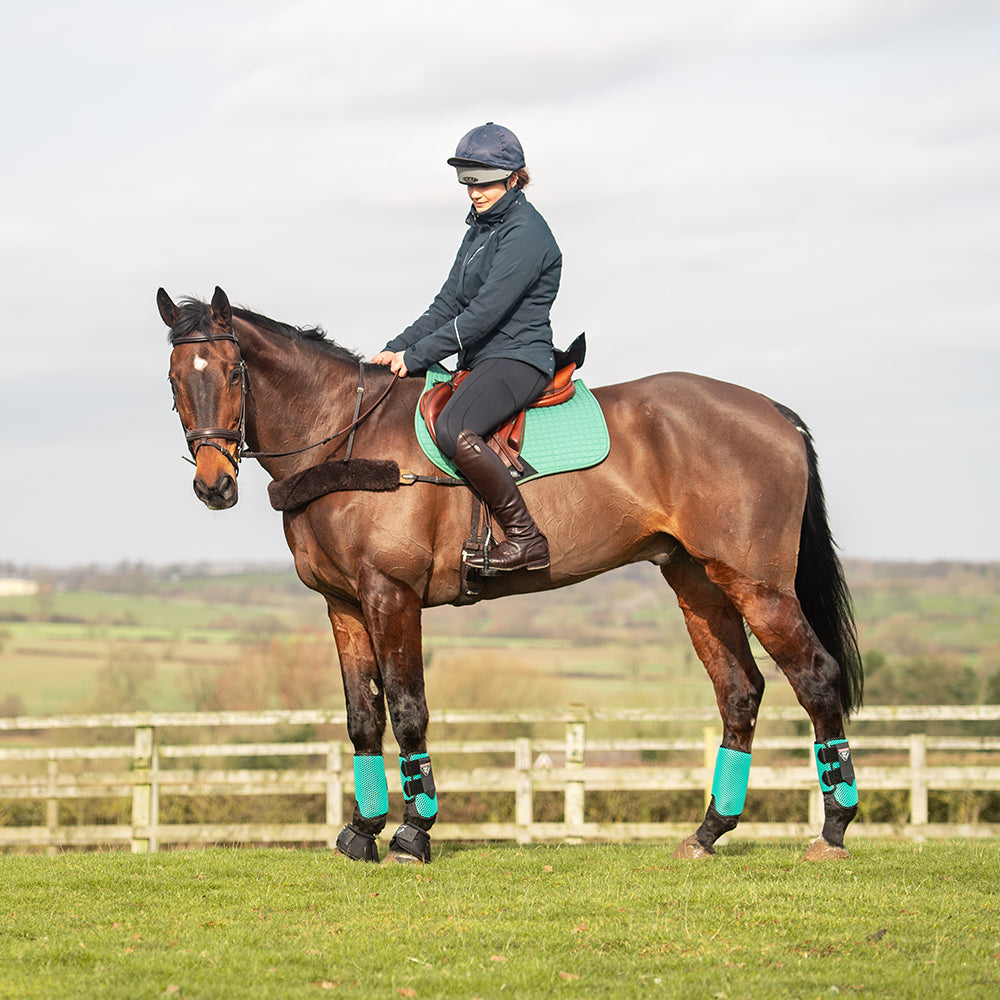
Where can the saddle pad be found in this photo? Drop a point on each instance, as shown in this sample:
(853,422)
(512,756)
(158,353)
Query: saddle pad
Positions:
(572,435)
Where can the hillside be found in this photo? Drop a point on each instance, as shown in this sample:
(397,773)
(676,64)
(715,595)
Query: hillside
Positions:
(136,636)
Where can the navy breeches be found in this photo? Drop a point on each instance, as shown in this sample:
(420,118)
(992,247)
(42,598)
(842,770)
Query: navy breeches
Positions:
(489,394)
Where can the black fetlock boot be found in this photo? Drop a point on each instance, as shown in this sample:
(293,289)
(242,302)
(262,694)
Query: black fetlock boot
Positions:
(524,546)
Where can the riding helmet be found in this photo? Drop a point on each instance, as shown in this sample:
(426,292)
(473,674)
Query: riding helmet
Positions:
(487,154)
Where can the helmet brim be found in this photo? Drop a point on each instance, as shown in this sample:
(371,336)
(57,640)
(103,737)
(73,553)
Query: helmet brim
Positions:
(470,172)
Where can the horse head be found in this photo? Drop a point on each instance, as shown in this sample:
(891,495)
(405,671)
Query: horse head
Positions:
(209,383)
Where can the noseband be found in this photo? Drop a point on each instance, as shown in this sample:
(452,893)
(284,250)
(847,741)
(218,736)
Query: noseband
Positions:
(201,437)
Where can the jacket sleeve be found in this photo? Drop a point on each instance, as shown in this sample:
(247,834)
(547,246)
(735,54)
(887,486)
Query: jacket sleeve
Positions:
(517,264)
(444,307)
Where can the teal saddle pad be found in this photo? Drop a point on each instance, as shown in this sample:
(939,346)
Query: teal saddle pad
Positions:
(572,435)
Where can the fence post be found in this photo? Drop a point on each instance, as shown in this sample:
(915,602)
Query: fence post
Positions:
(918,784)
(52,808)
(144,805)
(524,796)
(708,734)
(817,809)
(576,745)
(334,792)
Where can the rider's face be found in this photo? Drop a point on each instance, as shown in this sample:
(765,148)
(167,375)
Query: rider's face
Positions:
(485,196)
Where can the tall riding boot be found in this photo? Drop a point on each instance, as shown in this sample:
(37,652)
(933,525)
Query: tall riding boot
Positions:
(524,546)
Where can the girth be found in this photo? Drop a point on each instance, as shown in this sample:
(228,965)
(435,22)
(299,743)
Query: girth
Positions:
(508,439)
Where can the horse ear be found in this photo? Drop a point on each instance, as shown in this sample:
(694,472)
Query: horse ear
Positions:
(168,311)
(222,312)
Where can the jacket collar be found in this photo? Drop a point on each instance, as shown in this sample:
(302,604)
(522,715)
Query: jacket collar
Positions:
(497,210)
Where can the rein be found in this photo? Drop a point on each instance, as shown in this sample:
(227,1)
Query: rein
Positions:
(350,428)
(201,435)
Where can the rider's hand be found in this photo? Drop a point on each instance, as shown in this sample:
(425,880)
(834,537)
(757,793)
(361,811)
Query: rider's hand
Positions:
(393,359)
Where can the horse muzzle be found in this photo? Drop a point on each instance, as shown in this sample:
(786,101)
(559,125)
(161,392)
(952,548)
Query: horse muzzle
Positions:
(221,494)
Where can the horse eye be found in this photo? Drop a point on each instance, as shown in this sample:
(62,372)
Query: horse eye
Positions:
(234,376)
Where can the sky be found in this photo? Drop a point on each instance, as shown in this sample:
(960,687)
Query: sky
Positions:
(803,198)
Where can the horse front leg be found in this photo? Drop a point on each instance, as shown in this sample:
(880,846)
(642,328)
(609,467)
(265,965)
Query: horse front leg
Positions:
(365,701)
(718,636)
(392,613)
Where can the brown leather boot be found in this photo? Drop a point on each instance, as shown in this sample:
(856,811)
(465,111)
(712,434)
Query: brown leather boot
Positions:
(524,546)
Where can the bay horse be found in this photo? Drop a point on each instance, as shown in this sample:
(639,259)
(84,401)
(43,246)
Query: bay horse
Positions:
(713,483)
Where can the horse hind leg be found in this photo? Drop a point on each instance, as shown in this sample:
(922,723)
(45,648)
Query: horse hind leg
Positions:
(777,619)
(719,638)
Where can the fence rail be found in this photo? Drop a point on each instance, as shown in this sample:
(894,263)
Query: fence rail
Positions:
(161,761)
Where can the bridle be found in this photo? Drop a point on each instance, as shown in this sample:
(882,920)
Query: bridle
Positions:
(201,437)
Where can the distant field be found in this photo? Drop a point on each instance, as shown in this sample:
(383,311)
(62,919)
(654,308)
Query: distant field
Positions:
(618,639)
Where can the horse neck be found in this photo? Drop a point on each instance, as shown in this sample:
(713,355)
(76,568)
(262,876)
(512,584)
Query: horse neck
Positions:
(298,396)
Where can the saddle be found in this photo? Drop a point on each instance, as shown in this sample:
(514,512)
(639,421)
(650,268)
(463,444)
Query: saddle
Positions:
(508,439)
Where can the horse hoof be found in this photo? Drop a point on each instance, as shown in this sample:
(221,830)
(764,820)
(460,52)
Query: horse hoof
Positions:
(355,845)
(820,850)
(402,858)
(690,849)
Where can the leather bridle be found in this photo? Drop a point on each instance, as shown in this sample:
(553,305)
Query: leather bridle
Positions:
(201,437)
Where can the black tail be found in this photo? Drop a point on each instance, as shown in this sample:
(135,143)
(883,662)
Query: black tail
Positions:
(820,584)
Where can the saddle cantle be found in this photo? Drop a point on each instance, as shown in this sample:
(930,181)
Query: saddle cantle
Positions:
(508,439)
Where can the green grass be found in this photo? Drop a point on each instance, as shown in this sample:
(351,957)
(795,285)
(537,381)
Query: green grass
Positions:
(893,921)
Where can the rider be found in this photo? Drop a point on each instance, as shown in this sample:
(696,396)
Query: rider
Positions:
(494,312)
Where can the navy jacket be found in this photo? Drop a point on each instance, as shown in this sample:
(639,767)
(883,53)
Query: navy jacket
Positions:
(496,301)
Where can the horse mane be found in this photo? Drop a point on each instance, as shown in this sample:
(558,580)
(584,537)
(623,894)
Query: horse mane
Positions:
(196,317)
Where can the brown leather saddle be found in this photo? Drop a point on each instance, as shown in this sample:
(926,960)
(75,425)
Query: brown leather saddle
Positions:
(508,439)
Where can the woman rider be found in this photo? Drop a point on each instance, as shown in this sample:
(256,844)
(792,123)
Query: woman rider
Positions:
(494,312)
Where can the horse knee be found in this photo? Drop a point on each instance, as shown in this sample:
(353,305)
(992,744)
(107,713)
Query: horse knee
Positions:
(409,722)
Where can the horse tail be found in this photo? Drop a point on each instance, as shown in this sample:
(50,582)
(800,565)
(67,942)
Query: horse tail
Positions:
(820,584)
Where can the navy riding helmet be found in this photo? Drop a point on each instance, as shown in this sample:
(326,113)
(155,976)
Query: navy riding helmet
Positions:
(487,154)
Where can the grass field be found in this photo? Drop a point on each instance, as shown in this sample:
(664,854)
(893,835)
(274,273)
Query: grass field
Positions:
(894,921)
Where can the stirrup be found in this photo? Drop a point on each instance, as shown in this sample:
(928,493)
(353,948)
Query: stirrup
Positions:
(357,846)
(486,562)
(413,841)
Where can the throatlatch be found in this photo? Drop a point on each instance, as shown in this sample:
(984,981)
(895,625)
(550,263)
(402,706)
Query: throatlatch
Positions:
(836,771)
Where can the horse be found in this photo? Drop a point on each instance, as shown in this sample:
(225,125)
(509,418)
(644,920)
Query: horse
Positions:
(713,483)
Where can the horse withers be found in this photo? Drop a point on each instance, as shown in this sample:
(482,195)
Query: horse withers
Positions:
(713,483)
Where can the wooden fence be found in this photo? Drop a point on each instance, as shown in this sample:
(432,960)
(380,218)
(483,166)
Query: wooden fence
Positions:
(48,763)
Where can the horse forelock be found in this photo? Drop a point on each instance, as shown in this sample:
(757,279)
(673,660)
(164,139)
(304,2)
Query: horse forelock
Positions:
(195,316)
